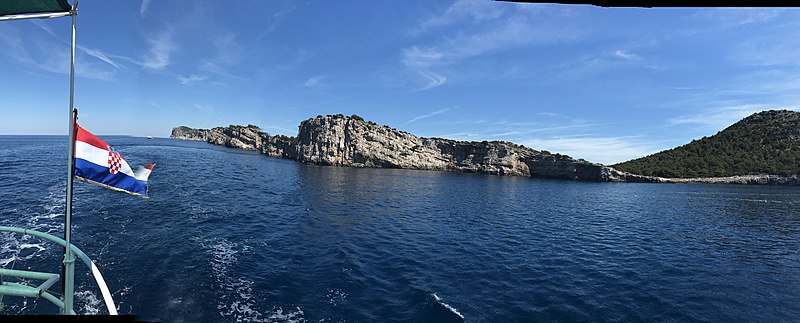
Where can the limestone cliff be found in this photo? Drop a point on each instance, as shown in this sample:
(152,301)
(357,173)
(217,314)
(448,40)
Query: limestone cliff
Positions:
(350,141)
(248,137)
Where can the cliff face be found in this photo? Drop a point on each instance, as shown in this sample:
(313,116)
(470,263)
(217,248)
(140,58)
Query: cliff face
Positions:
(342,141)
(351,141)
(242,137)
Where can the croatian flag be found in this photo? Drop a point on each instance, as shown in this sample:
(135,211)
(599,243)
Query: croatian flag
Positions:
(96,162)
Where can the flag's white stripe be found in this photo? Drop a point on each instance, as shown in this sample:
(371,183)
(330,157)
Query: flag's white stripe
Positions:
(142,174)
(98,157)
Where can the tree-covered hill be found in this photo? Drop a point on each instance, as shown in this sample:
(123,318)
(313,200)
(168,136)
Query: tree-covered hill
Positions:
(767,142)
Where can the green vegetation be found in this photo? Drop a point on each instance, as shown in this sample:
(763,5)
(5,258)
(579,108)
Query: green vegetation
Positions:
(764,143)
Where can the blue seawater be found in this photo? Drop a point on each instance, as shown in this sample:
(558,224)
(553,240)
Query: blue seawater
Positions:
(234,236)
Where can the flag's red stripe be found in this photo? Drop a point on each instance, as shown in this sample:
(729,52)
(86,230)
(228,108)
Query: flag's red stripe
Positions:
(89,138)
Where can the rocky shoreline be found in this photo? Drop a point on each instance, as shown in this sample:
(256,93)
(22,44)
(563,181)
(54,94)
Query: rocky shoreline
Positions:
(744,179)
(337,140)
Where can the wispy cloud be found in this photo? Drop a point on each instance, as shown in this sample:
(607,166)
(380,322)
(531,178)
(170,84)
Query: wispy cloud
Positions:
(720,117)
(191,79)
(416,57)
(485,28)
(13,47)
(606,150)
(433,80)
(289,10)
(732,17)
(551,114)
(96,53)
(296,59)
(770,50)
(417,118)
(626,55)
(315,81)
(143,9)
(161,47)
(48,57)
(475,10)
(228,50)
(205,108)
(514,31)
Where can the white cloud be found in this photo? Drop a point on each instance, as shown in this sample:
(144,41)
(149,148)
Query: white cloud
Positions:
(416,57)
(626,55)
(161,48)
(48,57)
(433,80)
(417,118)
(476,10)
(483,28)
(191,79)
(143,9)
(96,53)
(606,150)
(720,117)
(315,81)
(515,31)
(550,114)
(13,47)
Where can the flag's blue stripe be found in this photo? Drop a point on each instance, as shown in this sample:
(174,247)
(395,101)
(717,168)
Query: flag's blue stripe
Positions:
(100,174)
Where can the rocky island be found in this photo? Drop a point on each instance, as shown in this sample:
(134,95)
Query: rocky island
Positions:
(338,140)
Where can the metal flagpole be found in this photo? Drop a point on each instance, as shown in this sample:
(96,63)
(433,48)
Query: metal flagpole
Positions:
(68,272)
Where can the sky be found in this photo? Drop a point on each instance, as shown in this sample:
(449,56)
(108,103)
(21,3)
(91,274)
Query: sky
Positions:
(602,84)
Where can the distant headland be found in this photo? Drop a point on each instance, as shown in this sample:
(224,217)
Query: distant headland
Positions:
(338,140)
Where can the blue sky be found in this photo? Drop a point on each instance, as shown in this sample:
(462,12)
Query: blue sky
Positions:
(603,84)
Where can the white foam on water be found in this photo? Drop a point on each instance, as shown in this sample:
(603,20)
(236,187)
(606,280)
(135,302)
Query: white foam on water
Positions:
(5,261)
(90,304)
(8,250)
(237,300)
(335,296)
(243,305)
(289,317)
(447,306)
(119,297)
(14,247)
(223,254)
(242,312)
(36,246)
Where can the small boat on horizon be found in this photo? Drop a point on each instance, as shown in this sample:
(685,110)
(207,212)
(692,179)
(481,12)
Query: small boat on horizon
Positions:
(149,137)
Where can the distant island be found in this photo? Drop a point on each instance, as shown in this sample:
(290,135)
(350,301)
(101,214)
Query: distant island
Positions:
(338,140)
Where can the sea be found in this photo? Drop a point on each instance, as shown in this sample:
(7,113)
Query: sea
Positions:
(234,236)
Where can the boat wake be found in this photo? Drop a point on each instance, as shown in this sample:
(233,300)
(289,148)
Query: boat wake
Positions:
(238,300)
(15,247)
(87,303)
(447,306)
